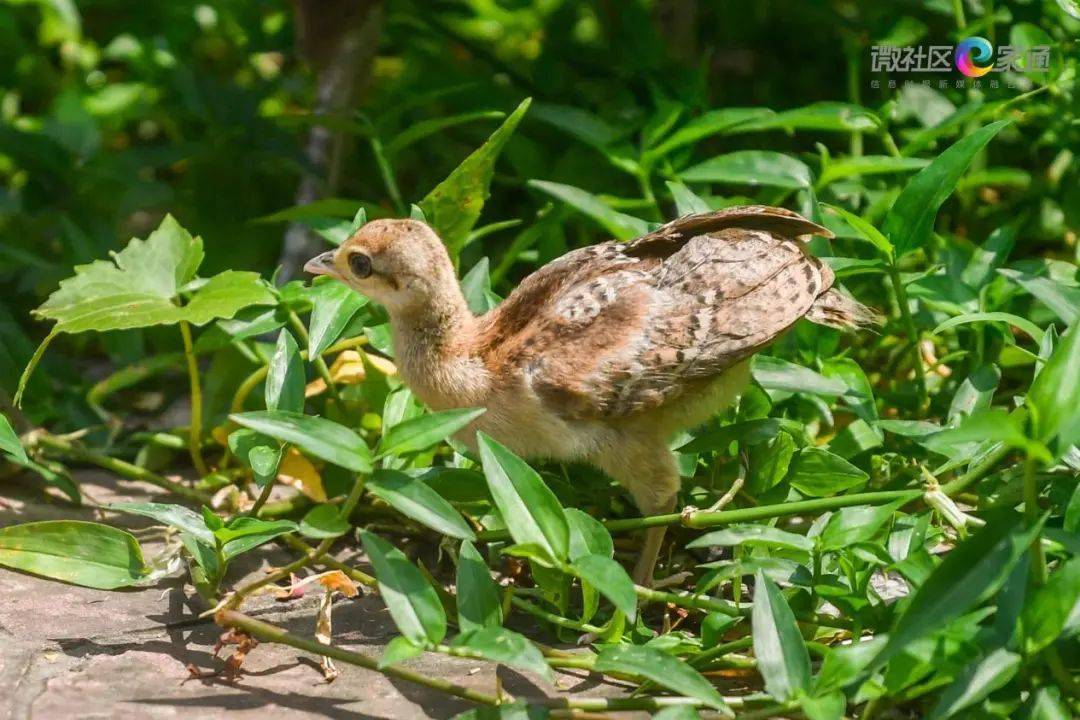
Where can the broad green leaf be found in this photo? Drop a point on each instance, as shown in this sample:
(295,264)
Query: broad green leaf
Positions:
(819,473)
(588,536)
(326,207)
(686,202)
(975,393)
(911,219)
(975,682)
(530,510)
(1054,397)
(325,439)
(994,424)
(247,533)
(751,167)
(851,525)
(663,669)
(1062,299)
(830,706)
(478,602)
(333,305)
(420,433)
(781,654)
(776,374)
(412,601)
(827,116)
(864,230)
(860,395)
(504,646)
(844,663)
(610,579)
(582,124)
(1015,320)
(260,453)
(751,536)
(677,712)
(476,287)
(622,227)
(1045,703)
(398,650)
(324,521)
(413,498)
(140,286)
(9,441)
(970,573)
(989,256)
(1054,608)
(424,128)
(176,516)
(868,165)
(453,206)
(285,376)
(73,551)
(710,123)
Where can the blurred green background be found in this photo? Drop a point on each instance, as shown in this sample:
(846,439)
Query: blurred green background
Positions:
(114,112)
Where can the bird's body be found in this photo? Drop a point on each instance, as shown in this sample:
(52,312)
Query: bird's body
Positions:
(604,354)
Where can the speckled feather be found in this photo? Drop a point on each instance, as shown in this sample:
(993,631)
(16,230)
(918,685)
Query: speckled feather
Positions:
(617,329)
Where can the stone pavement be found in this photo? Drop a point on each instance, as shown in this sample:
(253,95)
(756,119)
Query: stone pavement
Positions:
(72,652)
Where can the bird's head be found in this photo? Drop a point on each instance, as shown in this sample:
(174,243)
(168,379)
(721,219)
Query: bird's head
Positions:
(401,264)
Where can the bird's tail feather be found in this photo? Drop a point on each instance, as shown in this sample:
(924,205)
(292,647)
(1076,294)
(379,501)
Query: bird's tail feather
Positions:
(836,310)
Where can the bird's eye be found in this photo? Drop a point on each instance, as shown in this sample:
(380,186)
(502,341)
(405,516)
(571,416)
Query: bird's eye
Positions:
(360,264)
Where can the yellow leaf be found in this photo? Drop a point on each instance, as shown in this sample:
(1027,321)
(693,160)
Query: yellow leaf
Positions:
(220,435)
(297,471)
(347,369)
(337,580)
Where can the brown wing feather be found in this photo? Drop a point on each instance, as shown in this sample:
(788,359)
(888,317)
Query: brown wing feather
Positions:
(621,328)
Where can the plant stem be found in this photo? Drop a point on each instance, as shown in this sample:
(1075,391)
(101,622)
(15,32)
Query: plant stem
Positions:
(271,633)
(195,426)
(912,332)
(318,362)
(537,611)
(258,375)
(358,575)
(120,467)
(1031,514)
(958,13)
(261,500)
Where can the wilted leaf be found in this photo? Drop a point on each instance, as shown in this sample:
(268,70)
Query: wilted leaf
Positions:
(297,471)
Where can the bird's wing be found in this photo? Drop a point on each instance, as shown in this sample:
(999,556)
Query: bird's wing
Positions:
(621,328)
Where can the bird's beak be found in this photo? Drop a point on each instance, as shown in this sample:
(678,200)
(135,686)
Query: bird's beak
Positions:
(322,265)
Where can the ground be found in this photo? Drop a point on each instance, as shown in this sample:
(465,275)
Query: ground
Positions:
(67,651)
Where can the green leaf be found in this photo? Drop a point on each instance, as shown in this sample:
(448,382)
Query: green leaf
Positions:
(504,646)
(751,167)
(415,499)
(776,374)
(975,682)
(424,128)
(911,218)
(420,433)
(397,651)
(260,453)
(608,577)
(1045,703)
(333,305)
(9,441)
(753,536)
(325,439)
(824,707)
(176,516)
(285,376)
(1015,320)
(711,123)
(1062,299)
(1054,608)
(1054,397)
(453,206)
(987,425)
(844,663)
(140,287)
(860,395)
(73,551)
(622,227)
(851,525)
(663,669)
(868,165)
(412,601)
(247,533)
(864,230)
(972,572)
(324,521)
(588,536)
(478,602)
(822,116)
(530,510)
(976,393)
(782,658)
(686,202)
(820,473)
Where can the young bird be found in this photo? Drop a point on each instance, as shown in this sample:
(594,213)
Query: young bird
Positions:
(605,353)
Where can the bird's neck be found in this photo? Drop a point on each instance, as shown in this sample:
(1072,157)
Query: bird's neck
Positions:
(433,344)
